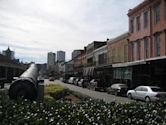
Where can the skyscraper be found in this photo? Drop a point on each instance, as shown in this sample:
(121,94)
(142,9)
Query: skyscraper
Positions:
(60,56)
(51,60)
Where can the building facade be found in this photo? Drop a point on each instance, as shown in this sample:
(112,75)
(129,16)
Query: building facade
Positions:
(117,56)
(79,64)
(100,56)
(118,49)
(75,53)
(147,28)
(103,70)
(60,56)
(90,57)
(147,42)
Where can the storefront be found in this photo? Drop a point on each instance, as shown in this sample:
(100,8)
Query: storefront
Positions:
(104,73)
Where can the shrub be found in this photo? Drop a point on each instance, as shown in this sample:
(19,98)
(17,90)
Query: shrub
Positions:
(87,112)
(54,92)
(52,88)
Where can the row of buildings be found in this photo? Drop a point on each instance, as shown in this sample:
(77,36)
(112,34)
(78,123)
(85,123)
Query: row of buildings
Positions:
(137,57)
(51,58)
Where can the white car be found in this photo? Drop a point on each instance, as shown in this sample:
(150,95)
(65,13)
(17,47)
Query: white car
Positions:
(147,93)
(80,82)
(71,80)
(93,84)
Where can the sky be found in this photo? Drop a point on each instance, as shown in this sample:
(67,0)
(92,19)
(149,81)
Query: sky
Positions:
(32,28)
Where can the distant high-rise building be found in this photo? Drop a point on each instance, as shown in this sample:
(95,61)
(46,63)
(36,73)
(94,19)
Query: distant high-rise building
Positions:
(60,56)
(8,53)
(51,60)
(75,53)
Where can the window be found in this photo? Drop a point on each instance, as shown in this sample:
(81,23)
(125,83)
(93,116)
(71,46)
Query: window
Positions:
(113,54)
(132,25)
(157,44)
(90,61)
(139,49)
(165,8)
(156,89)
(157,13)
(132,51)
(126,53)
(138,23)
(145,19)
(138,89)
(119,55)
(144,89)
(146,45)
(102,58)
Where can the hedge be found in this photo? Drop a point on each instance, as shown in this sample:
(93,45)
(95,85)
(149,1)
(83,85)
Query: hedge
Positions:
(87,112)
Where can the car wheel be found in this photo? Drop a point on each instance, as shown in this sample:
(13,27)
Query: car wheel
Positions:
(147,99)
(130,96)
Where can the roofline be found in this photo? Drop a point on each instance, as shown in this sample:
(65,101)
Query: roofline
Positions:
(102,47)
(120,37)
(96,42)
(138,7)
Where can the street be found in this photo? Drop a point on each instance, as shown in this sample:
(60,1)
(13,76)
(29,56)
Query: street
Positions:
(94,94)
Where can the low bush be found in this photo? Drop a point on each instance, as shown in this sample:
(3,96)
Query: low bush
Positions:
(54,92)
(52,88)
(87,112)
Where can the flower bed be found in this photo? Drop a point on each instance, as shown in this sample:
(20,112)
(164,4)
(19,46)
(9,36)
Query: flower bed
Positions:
(54,92)
(87,112)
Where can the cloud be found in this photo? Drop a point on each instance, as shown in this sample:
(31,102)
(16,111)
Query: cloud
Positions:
(39,26)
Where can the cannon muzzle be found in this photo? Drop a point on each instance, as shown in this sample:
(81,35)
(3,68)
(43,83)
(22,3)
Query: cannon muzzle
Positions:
(26,85)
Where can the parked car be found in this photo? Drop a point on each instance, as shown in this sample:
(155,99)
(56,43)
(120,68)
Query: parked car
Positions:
(80,82)
(76,81)
(83,83)
(93,84)
(71,80)
(117,89)
(97,85)
(147,93)
(51,78)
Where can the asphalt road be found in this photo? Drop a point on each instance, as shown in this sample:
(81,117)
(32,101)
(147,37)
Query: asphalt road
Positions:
(94,94)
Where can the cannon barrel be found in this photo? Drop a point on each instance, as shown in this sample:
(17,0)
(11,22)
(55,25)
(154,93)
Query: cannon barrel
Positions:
(26,85)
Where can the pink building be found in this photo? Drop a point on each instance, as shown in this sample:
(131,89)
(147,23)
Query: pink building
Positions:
(147,30)
(147,43)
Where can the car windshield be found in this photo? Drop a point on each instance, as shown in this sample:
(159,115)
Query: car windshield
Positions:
(156,89)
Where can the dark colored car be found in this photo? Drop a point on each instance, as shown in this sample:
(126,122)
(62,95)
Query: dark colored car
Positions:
(83,83)
(117,89)
(97,85)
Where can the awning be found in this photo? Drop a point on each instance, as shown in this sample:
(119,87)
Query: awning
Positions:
(88,71)
(139,62)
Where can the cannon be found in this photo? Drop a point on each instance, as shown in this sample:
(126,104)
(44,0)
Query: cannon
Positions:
(25,86)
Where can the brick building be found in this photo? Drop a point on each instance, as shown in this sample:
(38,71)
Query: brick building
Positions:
(118,49)
(147,42)
(118,58)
